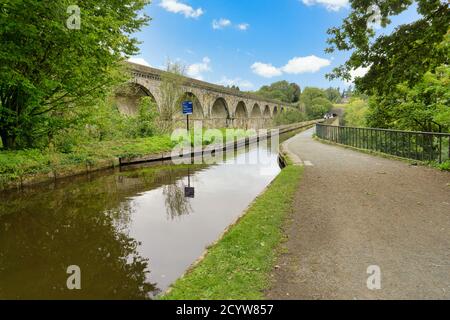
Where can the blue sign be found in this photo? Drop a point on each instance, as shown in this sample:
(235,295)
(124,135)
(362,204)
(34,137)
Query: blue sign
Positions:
(188,107)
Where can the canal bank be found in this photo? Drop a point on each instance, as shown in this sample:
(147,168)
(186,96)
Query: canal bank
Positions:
(19,169)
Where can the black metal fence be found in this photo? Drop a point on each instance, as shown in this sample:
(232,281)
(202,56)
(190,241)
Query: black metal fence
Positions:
(423,146)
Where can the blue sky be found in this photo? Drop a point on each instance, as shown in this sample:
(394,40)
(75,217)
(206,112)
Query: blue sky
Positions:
(248,43)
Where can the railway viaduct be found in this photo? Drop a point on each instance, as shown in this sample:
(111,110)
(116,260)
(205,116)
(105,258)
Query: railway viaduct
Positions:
(214,105)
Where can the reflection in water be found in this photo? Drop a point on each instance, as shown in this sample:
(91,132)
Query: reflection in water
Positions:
(176,202)
(132,233)
(38,243)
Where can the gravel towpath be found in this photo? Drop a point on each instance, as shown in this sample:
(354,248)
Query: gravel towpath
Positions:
(354,210)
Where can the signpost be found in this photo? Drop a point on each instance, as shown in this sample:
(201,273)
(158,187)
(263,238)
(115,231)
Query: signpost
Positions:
(189,192)
(188,108)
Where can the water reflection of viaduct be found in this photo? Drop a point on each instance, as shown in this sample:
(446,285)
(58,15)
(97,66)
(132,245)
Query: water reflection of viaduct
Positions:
(215,105)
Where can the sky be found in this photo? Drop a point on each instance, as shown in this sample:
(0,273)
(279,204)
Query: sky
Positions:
(248,43)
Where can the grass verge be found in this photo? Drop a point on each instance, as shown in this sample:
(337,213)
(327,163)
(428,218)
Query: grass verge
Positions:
(239,264)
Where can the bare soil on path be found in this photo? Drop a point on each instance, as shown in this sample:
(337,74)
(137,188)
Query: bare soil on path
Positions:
(354,210)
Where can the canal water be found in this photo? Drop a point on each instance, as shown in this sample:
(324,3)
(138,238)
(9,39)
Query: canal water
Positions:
(132,232)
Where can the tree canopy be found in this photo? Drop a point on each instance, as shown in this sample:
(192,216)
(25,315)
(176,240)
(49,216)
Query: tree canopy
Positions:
(406,75)
(310,93)
(282,91)
(47,68)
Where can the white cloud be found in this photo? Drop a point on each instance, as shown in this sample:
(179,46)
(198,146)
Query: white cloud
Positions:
(221,23)
(196,70)
(140,61)
(296,65)
(265,70)
(243,26)
(357,73)
(242,84)
(332,5)
(175,6)
(310,64)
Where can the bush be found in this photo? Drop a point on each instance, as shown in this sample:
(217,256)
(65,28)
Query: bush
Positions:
(318,108)
(445,166)
(289,116)
(145,119)
(356,113)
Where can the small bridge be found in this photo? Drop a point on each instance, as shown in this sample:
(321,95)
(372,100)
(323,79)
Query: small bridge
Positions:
(214,105)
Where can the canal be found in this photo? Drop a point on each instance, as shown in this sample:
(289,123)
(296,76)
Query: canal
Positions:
(131,231)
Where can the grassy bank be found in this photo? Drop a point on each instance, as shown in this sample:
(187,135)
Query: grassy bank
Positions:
(19,165)
(15,165)
(238,265)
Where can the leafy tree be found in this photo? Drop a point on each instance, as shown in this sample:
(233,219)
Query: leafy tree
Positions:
(47,69)
(425,106)
(406,69)
(333,95)
(403,56)
(318,108)
(282,91)
(146,117)
(355,113)
(171,91)
(310,93)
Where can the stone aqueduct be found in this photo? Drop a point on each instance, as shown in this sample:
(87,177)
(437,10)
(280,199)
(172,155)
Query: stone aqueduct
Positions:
(215,106)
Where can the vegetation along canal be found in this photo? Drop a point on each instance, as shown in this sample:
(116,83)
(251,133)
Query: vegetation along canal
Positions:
(132,232)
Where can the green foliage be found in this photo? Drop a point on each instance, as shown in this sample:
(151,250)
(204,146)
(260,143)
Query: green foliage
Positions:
(145,119)
(21,163)
(405,55)
(238,266)
(423,107)
(48,70)
(407,78)
(318,108)
(333,95)
(445,166)
(356,112)
(282,91)
(289,116)
(310,93)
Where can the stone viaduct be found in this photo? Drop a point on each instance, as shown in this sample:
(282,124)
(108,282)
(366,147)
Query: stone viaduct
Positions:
(214,105)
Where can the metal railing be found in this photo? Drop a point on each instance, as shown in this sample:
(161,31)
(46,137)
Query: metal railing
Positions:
(422,146)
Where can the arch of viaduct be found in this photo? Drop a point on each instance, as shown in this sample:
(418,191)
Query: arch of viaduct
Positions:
(216,106)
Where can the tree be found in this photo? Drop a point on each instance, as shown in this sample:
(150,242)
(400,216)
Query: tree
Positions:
(318,108)
(171,91)
(424,107)
(355,113)
(404,55)
(333,95)
(399,63)
(309,94)
(47,68)
(282,91)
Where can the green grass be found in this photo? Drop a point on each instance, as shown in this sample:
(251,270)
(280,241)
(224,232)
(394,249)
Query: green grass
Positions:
(238,265)
(15,165)
(445,166)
